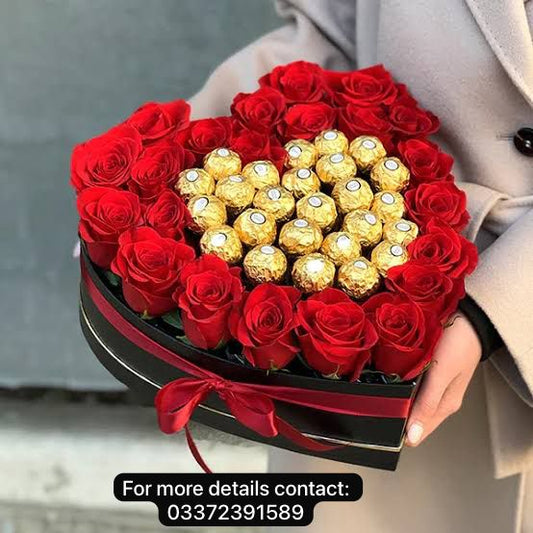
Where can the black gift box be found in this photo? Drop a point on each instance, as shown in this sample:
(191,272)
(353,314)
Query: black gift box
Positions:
(362,440)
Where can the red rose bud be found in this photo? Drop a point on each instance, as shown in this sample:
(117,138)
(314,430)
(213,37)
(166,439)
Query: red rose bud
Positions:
(106,160)
(264,324)
(409,120)
(105,213)
(154,120)
(407,336)
(425,161)
(149,266)
(335,336)
(306,121)
(259,111)
(168,215)
(208,291)
(253,146)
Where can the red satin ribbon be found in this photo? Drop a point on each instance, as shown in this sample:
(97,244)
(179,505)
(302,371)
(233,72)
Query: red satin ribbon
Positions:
(251,404)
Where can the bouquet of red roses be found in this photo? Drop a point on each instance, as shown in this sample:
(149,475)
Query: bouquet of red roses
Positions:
(314,230)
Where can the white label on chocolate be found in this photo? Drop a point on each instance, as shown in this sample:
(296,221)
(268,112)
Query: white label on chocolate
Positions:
(268,250)
(387,198)
(260,169)
(219,239)
(336,158)
(370,218)
(192,175)
(258,218)
(360,264)
(315,265)
(236,179)
(303,173)
(330,135)
(353,185)
(343,241)
(201,203)
(301,223)
(396,250)
(368,144)
(390,164)
(223,152)
(403,226)
(295,151)
(314,201)
(274,194)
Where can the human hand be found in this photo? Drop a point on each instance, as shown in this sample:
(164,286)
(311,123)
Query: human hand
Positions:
(443,387)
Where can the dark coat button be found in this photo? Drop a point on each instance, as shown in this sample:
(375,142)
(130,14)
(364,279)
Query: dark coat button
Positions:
(523,141)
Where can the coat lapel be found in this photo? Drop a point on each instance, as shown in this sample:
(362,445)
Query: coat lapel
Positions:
(505,26)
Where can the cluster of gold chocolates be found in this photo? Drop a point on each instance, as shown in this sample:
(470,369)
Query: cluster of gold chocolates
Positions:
(335,216)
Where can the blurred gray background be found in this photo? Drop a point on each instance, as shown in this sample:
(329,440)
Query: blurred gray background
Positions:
(70,69)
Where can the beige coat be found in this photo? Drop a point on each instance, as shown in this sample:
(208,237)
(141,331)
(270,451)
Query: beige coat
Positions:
(471,63)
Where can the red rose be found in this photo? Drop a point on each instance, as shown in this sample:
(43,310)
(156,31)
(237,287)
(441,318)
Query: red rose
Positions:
(208,290)
(425,161)
(168,215)
(105,160)
(428,286)
(366,87)
(300,82)
(158,168)
(334,333)
(442,200)
(253,146)
(407,336)
(203,136)
(443,247)
(306,121)
(260,110)
(409,120)
(149,266)
(154,120)
(264,324)
(105,213)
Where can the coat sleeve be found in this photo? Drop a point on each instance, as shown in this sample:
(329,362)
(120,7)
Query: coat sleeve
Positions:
(314,31)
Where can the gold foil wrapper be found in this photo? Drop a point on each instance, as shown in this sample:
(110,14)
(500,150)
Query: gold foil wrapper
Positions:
(194,181)
(299,237)
(359,278)
(236,192)
(265,264)
(364,225)
(319,208)
(389,174)
(300,154)
(388,254)
(207,211)
(222,242)
(255,227)
(313,272)
(330,142)
(388,205)
(400,231)
(335,167)
(367,151)
(340,247)
(277,201)
(222,162)
(261,173)
(300,181)
(352,193)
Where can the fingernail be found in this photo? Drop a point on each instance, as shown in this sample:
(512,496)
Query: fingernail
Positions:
(415,433)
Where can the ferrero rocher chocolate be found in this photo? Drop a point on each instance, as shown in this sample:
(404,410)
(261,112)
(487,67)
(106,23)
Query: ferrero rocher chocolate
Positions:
(300,154)
(264,264)
(222,162)
(236,192)
(261,173)
(334,167)
(367,151)
(330,142)
(359,278)
(400,231)
(389,174)
(313,273)
(352,193)
(300,181)
(255,227)
(276,200)
(319,208)
(207,212)
(340,247)
(388,254)
(388,205)
(222,242)
(194,181)
(364,225)
(299,236)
